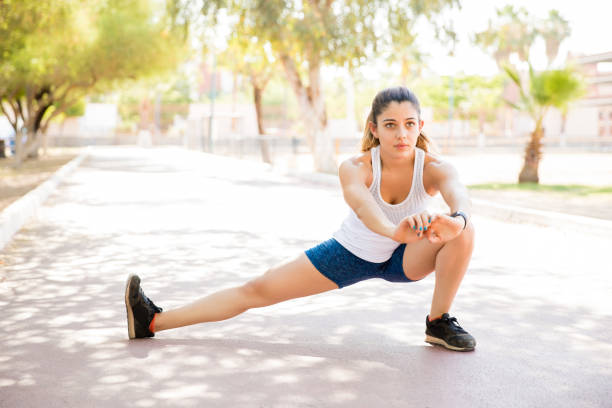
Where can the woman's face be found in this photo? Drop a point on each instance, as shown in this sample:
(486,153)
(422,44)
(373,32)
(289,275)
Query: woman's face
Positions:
(398,127)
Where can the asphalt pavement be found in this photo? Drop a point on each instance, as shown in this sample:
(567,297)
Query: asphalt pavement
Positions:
(536,298)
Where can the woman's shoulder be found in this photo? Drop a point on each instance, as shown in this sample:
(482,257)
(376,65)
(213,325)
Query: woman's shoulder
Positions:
(360,164)
(363,159)
(436,168)
(435,162)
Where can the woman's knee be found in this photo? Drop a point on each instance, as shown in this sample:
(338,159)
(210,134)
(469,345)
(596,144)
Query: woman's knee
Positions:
(257,292)
(466,237)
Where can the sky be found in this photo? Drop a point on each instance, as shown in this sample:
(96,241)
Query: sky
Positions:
(590,22)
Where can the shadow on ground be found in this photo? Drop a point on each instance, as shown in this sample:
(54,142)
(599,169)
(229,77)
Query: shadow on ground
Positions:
(64,342)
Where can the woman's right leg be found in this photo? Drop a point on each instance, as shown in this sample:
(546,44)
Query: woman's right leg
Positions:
(297,278)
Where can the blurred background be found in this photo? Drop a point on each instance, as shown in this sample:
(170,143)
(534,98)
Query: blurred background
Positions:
(290,83)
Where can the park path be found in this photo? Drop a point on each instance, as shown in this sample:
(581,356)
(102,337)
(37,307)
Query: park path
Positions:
(536,299)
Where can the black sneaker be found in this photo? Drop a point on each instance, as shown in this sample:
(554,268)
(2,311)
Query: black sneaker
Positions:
(446,332)
(140,309)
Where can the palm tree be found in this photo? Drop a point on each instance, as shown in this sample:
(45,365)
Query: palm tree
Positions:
(512,33)
(554,30)
(546,89)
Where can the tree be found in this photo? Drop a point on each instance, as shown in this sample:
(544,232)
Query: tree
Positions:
(481,98)
(476,97)
(306,35)
(515,32)
(251,56)
(554,30)
(512,33)
(54,53)
(546,89)
(403,45)
(75,110)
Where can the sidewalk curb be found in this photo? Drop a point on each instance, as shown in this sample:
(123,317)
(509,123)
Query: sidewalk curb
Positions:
(13,217)
(502,212)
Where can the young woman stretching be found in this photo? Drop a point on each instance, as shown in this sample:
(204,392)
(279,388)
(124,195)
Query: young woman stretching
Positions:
(388,234)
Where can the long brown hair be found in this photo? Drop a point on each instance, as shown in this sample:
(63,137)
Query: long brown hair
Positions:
(381,101)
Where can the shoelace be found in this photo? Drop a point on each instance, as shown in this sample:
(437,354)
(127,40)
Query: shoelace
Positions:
(455,324)
(148,301)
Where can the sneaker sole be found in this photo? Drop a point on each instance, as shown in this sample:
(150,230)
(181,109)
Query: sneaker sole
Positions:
(439,342)
(128,308)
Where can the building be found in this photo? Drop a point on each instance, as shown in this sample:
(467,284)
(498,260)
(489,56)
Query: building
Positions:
(598,70)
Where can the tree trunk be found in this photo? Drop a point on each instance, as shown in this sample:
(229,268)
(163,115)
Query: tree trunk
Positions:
(323,155)
(32,145)
(563,135)
(481,133)
(533,154)
(263,143)
(45,144)
(19,148)
(234,102)
(311,103)
(404,71)
(27,150)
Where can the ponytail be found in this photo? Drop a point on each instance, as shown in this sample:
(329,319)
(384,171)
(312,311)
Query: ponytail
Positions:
(423,142)
(368,140)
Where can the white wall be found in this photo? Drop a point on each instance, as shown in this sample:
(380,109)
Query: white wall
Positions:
(99,118)
(582,121)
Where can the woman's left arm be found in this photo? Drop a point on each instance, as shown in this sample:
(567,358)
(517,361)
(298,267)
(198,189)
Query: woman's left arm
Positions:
(454,193)
(442,177)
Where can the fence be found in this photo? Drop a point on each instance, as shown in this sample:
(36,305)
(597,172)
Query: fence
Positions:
(282,144)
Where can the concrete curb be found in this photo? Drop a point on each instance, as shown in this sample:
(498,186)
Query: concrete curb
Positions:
(502,212)
(18,213)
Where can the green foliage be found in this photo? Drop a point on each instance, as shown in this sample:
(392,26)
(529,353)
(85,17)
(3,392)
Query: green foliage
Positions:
(525,102)
(172,89)
(474,97)
(249,54)
(54,53)
(279,104)
(557,87)
(513,32)
(550,88)
(335,33)
(554,30)
(78,109)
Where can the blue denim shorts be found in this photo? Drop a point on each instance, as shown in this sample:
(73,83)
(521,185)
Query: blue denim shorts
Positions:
(344,268)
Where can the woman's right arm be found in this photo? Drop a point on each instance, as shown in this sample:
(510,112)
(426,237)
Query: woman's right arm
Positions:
(353,177)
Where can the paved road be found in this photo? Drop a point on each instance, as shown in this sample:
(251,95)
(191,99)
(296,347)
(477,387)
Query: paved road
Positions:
(536,299)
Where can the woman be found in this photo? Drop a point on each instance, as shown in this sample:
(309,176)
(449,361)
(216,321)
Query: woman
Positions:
(388,234)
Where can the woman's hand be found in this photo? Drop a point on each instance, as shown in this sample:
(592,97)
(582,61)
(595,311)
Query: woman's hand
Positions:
(444,228)
(412,228)
(438,228)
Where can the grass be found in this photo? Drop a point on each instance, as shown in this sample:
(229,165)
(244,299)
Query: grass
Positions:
(573,189)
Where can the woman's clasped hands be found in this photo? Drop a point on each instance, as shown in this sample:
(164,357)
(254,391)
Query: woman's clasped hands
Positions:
(437,228)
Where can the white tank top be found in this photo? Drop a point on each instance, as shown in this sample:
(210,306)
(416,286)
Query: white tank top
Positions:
(365,243)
